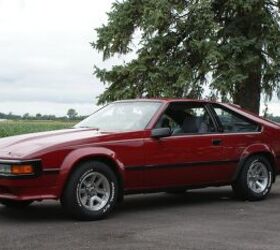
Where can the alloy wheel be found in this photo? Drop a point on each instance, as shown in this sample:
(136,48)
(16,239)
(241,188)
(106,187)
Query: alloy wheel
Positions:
(257,177)
(94,191)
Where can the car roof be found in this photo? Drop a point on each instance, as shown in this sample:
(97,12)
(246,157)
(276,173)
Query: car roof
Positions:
(166,100)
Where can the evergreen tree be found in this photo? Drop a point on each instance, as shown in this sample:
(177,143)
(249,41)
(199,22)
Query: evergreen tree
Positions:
(231,45)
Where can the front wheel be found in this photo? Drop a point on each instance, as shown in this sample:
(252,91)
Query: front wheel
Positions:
(91,192)
(255,180)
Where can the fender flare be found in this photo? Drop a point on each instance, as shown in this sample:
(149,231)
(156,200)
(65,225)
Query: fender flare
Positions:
(254,150)
(75,156)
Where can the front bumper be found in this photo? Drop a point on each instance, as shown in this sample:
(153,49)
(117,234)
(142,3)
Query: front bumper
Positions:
(37,186)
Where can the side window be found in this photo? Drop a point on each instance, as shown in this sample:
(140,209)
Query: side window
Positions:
(234,123)
(186,118)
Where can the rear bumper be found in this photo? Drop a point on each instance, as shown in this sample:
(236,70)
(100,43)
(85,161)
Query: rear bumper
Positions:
(40,186)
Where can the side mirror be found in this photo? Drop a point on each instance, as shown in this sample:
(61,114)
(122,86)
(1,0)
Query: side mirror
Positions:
(160,132)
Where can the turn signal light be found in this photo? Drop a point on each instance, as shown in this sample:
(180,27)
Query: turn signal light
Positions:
(22,169)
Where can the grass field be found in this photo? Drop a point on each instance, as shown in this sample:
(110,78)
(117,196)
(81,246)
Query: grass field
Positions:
(9,128)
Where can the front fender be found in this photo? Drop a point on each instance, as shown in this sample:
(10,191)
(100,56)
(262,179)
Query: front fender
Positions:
(254,149)
(83,153)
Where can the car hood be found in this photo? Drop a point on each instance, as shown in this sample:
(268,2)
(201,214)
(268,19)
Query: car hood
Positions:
(17,147)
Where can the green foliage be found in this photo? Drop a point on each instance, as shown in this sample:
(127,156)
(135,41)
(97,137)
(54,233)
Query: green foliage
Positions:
(187,44)
(274,118)
(72,114)
(9,128)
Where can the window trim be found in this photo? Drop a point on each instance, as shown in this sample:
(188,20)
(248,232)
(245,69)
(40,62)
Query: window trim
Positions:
(221,127)
(203,105)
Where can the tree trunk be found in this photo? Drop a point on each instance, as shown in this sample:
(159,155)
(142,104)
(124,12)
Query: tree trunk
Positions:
(248,93)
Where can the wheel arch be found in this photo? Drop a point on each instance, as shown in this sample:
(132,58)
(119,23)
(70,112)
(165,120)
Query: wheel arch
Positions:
(269,155)
(77,157)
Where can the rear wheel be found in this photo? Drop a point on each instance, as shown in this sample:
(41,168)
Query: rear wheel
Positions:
(255,180)
(91,192)
(15,204)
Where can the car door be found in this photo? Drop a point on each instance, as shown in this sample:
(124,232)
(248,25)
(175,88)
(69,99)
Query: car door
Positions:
(192,155)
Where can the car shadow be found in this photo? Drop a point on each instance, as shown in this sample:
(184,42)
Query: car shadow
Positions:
(51,211)
(36,212)
(189,199)
(137,203)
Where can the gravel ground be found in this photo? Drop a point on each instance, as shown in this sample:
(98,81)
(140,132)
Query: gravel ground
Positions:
(201,219)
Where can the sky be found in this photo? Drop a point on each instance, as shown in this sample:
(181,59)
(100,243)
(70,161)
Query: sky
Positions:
(46,61)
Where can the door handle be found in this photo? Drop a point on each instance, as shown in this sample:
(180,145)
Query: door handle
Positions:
(217,142)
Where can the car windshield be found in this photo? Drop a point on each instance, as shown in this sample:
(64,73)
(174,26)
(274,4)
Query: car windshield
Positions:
(121,116)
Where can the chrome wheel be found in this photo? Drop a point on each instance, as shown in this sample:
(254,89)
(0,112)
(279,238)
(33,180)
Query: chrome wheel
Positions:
(257,177)
(94,191)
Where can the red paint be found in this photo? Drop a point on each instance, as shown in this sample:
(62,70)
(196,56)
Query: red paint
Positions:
(142,162)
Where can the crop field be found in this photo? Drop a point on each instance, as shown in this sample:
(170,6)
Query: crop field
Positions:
(9,128)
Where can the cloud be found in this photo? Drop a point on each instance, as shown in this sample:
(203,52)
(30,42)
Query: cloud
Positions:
(45,53)
(50,108)
(46,61)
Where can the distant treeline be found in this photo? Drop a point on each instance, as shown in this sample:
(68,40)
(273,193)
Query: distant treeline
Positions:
(72,115)
(273,118)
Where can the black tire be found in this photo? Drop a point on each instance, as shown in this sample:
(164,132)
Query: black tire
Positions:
(177,191)
(242,187)
(71,200)
(15,204)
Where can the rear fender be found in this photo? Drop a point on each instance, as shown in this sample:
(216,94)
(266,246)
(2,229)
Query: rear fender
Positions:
(254,150)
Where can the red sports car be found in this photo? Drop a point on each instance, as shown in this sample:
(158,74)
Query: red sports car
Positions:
(138,146)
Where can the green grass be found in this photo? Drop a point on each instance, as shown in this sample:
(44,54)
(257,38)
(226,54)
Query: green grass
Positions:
(9,128)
